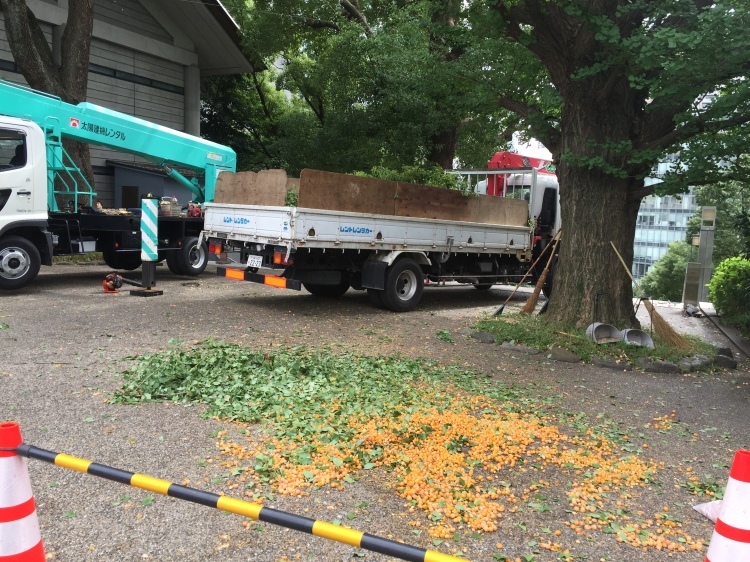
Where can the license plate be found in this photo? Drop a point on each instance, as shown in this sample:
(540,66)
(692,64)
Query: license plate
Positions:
(255,261)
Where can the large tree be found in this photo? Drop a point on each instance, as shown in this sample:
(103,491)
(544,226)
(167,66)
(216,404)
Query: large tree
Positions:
(635,80)
(36,62)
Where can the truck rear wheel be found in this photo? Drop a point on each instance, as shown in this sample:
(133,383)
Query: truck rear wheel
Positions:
(327,291)
(192,258)
(404,283)
(19,262)
(173,262)
(127,261)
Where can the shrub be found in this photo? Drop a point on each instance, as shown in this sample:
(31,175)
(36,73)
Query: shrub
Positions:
(666,278)
(729,291)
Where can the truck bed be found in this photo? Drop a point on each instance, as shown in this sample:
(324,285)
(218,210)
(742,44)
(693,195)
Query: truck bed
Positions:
(296,227)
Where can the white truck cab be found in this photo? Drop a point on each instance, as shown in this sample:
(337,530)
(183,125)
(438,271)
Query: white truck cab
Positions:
(23,200)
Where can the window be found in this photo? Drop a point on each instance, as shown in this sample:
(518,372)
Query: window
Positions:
(12,149)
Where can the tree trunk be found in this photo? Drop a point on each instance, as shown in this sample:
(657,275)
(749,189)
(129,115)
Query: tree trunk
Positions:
(598,206)
(34,58)
(591,218)
(444,148)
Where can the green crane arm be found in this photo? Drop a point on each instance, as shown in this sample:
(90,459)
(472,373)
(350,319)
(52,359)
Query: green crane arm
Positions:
(93,124)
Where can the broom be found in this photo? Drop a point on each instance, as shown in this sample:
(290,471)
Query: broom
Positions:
(499,311)
(661,327)
(530,304)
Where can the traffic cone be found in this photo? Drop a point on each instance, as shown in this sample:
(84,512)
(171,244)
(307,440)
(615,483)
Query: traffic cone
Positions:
(731,539)
(20,538)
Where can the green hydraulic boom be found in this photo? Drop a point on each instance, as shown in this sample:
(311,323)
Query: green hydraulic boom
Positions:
(93,124)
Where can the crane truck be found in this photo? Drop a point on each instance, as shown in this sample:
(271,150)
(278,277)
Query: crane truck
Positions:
(38,180)
(385,237)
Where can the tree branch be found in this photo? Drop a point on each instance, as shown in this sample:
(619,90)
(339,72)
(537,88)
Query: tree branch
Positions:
(545,132)
(691,129)
(640,193)
(320,24)
(262,96)
(355,13)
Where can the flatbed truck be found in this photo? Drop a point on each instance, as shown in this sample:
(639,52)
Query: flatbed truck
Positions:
(330,243)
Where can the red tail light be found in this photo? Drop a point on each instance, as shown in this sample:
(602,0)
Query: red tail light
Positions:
(214,249)
(279,258)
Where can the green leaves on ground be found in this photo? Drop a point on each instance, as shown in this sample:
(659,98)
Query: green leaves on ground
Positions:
(301,391)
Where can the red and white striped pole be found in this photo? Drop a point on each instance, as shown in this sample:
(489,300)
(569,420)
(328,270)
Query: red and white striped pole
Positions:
(20,538)
(731,539)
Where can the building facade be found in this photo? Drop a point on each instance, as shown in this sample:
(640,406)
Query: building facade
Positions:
(661,221)
(147,58)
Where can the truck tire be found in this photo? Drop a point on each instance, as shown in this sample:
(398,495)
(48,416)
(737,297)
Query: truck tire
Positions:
(19,262)
(127,261)
(173,262)
(327,291)
(404,283)
(192,258)
(483,286)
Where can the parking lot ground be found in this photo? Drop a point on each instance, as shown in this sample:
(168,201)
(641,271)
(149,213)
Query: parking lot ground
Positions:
(66,343)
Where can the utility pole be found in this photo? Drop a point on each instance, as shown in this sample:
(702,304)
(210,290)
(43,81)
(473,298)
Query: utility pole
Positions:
(706,250)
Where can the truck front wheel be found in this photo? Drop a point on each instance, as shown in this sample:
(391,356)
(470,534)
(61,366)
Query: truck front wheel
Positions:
(404,283)
(19,262)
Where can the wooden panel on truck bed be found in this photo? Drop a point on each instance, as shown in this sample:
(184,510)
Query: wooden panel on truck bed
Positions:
(423,201)
(489,209)
(354,194)
(267,187)
(347,193)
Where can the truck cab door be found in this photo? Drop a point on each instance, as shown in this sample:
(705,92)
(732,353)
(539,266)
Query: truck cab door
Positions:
(16,177)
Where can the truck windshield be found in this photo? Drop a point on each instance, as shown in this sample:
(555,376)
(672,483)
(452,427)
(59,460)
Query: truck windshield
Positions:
(12,149)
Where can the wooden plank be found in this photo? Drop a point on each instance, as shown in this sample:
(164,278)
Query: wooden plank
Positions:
(267,187)
(488,209)
(347,193)
(343,192)
(424,201)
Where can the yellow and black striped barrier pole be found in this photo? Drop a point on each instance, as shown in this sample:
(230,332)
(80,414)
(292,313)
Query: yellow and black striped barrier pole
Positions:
(240,507)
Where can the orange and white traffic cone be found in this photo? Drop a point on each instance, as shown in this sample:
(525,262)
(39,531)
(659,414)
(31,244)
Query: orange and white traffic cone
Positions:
(731,539)
(20,538)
